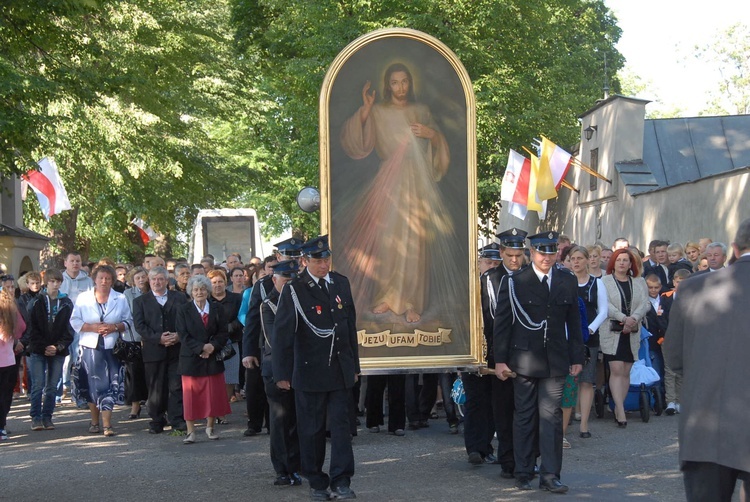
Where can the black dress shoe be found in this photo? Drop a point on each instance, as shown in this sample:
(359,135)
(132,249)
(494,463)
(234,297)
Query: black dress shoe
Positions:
(475,458)
(423,424)
(523,484)
(182,427)
(586,435)
(249,432)
(553,486)
(319,494)
(282,480)
(413,426)
(343,493)
(506,474)
(155,429)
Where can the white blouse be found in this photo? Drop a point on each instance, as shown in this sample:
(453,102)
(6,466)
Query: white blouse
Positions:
(87,310)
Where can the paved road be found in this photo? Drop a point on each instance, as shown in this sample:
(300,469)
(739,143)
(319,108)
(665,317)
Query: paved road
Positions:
(638,463)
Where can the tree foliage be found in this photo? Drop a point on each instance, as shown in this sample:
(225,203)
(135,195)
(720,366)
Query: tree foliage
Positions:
(125,95)
(534,64)
(729,52)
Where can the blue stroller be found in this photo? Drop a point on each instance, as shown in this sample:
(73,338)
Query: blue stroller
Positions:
(642,397)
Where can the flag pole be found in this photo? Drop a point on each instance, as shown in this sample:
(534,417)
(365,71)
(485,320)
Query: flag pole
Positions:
(580,165)
(570,187)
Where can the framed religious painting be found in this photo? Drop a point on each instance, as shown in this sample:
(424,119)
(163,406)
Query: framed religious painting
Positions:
(398,199)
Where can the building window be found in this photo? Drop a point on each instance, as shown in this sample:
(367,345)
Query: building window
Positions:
(594,165)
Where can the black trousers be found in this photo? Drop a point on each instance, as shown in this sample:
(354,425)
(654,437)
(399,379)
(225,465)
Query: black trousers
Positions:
(489,409)
(538,420)
(164,392)
(420,398)
(376,385)
(255,399)
(8,379)
(282,421)
(313,408)
(706,481)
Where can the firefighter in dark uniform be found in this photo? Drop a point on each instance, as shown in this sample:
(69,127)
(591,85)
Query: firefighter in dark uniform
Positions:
(489,401)
(282,415)
(255,394)
(537,338)
(315,352)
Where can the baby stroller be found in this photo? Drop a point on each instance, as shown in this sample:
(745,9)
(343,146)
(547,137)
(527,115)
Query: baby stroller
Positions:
(642,396)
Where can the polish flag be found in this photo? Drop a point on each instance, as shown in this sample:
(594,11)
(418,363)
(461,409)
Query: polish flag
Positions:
(48,186)
(147,233)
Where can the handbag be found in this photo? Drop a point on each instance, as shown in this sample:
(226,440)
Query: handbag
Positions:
(227,352)
(127,352)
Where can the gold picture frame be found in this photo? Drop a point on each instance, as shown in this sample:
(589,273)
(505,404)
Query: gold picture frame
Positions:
(399,199)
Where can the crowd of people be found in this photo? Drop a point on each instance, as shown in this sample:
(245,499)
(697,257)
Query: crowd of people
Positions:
(210,334)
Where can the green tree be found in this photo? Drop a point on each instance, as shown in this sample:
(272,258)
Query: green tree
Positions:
(127,96)
(531,63)
(729,52)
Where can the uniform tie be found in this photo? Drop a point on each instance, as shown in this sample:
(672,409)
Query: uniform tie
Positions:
(323,285)
(545,281)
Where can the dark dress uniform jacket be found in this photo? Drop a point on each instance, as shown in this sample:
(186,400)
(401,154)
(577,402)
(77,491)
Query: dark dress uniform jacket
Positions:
(151,320)
(301,356)
(524,350)
(268,318)
(490,285)
(193,335)
(251,342)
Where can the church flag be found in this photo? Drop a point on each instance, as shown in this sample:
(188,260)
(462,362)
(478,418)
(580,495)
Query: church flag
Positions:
(48,187)
(556,160)
(144,231)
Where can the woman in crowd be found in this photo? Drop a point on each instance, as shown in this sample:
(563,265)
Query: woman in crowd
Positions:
(181,276)
(229,303)
(136,389)
(99,315)
(12,327)
(594,296)
(692,252)
(620,335)
(237,278)
(595,255)
(203,332)
(48,339)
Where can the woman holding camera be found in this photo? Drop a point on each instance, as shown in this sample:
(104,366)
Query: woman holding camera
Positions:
(620,334)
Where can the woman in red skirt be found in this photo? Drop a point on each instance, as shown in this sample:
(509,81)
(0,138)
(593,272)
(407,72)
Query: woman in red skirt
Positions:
(203,333)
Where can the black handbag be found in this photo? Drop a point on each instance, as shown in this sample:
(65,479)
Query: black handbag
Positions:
(227,352)
(127,352)
(615,326)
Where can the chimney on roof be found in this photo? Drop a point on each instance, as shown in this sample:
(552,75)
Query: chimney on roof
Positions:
(606,79)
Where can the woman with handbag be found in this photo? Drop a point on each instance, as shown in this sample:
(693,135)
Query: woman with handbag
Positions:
(136,389)
(230,304)
(99,316)
(203,336)
(620,334)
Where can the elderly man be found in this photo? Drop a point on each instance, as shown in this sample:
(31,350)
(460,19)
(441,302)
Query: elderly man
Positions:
(707,343)
(716,255)
(154,315)
(537,342)
(315,352)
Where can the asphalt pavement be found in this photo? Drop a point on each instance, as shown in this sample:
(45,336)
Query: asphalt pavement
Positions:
(636,463)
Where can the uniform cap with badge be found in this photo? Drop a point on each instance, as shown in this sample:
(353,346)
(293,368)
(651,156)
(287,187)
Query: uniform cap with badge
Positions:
(317,247)
(290,247)
(287,268)
(491,251)
(514,238)
(544,242)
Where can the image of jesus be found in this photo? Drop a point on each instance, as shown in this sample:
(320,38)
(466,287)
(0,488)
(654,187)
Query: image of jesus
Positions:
(399,217)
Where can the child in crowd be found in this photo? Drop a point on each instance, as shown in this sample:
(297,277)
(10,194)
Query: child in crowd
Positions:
(672,381)
(47,341)
(677,261)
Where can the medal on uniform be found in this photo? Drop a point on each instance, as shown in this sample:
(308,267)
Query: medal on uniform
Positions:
(338,300)
(318,309)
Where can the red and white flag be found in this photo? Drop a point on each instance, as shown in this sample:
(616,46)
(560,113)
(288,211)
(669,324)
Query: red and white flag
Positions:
(515,187)
(147,233)
(48,186)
